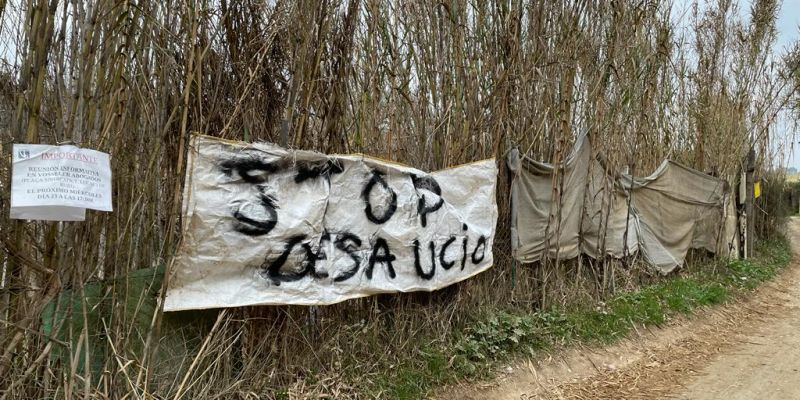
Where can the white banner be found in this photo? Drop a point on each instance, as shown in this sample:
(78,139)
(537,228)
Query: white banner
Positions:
(58,183)
(266,225)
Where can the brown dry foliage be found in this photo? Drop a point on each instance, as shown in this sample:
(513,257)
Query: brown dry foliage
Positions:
(431,84)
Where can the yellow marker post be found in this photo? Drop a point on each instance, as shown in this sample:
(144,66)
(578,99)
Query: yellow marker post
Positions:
(757,189)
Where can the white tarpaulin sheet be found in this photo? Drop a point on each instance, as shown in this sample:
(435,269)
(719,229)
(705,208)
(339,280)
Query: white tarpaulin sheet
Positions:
(559,212)
(58,183)
(266,225)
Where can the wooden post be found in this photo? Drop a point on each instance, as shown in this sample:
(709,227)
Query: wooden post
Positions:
(748,203)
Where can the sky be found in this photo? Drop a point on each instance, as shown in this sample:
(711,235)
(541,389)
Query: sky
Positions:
(788,22)
(788,27)
(788,32)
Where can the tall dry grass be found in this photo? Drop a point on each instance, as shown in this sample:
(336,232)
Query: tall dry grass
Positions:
(431,84)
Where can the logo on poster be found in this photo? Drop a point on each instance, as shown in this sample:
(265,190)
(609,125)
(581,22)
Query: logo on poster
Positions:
(24,154)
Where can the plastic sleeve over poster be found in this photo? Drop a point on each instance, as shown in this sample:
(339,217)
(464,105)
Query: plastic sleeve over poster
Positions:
(58,183)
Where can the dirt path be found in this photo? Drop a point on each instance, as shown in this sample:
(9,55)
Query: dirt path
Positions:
(745,350)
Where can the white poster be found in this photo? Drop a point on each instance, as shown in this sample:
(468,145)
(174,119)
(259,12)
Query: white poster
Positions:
(58,183)
(266,225)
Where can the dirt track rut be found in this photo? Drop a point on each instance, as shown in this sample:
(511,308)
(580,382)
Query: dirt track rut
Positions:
(748,349)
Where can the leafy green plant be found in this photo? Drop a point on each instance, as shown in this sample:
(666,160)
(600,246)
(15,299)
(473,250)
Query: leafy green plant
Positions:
(750,273)
(500,334)
(495,337)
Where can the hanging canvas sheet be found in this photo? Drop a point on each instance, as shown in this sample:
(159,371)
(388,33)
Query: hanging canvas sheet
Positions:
(578,206)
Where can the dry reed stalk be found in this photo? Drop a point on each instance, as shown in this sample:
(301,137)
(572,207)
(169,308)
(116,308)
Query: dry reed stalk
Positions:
(431,84)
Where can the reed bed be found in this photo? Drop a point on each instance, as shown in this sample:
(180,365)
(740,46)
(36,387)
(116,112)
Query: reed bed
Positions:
(431,84)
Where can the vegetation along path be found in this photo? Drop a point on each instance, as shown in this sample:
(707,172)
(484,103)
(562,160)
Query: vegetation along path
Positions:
(745,349)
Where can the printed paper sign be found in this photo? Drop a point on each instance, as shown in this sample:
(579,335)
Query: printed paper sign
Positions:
(58,183)
(266,225)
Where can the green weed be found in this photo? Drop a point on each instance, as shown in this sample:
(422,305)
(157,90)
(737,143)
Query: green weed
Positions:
(496,336)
